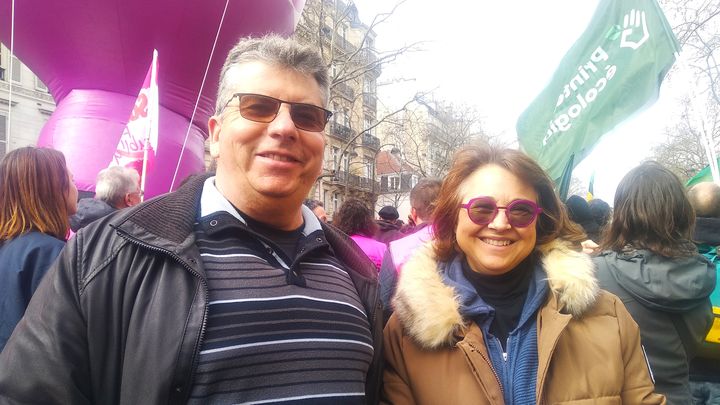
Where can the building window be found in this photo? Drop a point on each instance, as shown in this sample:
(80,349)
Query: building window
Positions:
(39,85)
(369,122)
(3,135)
(394,183)
(3,63)
(368,166)
(16,68)
(335,156)
(336,202)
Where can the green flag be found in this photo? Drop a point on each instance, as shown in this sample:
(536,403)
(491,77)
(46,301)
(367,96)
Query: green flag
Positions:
(614,69)
(702,176)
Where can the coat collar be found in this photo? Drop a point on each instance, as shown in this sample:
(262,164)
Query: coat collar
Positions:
(429,310)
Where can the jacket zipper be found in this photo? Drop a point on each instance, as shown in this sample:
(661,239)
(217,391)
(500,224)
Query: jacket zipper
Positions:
(138,242)
(497,378)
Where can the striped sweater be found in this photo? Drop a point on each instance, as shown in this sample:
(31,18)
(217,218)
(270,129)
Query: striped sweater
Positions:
(280,329)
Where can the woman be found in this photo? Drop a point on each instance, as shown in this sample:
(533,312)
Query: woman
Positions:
(37,195)
(650,263)
(501,308)
(356,219)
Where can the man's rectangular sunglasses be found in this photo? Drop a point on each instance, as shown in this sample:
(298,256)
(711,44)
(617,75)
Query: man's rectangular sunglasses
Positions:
(519,213)
(259,108)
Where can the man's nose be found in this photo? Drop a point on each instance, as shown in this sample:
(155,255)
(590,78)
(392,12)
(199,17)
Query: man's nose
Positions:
(283,124)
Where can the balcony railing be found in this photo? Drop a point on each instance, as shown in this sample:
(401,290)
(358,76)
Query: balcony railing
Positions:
(341,131)
(345,90)
(350,180)
(370,141)
(369,58)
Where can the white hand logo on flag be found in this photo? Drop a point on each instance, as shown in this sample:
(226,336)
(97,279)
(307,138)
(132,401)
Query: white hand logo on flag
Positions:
(634,23)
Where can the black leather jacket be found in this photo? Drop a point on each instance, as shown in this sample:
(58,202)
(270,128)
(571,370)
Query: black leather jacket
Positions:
(120,317)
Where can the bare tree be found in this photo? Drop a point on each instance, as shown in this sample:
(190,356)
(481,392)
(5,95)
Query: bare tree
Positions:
(431,133)
(353,60)
(683,152)
(696,23)
(347,46)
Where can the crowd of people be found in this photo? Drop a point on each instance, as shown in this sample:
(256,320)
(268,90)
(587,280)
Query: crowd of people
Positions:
(237,288)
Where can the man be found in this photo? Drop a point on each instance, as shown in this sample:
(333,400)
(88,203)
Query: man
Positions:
(388,225)
(225,291)
(317,207)
(705,368)
(422,202)
(115,188)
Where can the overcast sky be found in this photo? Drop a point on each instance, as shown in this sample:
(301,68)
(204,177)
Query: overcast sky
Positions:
(497,56)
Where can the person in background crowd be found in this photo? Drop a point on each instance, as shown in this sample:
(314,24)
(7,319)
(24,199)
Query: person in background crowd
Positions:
(317,207)
(600,211)
(356,219)
(37,195)
(705,368)
(579,212)
(649,261)
(227,290)
(422,203)
(500,307)
(116,188)
(389,227)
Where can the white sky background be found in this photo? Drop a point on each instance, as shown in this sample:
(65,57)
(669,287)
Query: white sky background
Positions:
(497,56)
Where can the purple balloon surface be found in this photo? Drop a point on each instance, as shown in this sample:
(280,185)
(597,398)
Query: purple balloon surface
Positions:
(93,57)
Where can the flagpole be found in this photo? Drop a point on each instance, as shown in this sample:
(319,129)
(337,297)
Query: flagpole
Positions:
(702,125)
(10,74)
(153,125)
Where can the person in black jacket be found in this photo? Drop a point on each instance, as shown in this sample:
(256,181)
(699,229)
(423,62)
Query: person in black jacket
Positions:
(116,187)
(389,225)
(228,290)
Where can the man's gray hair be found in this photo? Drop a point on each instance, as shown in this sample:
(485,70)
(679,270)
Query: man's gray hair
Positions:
(705,199)
(113,183)
(276,51)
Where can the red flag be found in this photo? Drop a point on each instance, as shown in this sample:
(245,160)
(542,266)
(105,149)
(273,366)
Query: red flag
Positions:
(138,144)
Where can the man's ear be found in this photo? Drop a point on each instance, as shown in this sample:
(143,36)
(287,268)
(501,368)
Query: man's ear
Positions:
(413,214)
(127,200)
(214,127)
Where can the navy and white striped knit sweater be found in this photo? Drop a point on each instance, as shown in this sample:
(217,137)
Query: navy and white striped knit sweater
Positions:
(279,331)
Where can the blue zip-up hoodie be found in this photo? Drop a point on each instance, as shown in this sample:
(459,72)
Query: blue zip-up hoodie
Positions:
(522,360)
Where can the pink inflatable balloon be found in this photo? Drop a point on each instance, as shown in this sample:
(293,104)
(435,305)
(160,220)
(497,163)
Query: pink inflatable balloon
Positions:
(93,57)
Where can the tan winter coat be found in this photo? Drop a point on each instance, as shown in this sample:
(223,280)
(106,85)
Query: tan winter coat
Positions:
(588,345)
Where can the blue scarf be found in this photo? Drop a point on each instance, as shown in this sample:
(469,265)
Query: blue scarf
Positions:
(518,374)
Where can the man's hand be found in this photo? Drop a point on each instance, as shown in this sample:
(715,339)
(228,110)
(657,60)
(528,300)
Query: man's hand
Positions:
(634,25)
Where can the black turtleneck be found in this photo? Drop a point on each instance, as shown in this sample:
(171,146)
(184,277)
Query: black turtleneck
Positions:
(506,293)
(287,241)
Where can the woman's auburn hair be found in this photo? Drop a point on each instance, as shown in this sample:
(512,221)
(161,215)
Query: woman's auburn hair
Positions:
(551,224)
(651,211)
(355,218)
(33,188)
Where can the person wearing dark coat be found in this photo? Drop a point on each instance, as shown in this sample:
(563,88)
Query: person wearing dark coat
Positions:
(705,368)
(37,195)
(579,212)
(650,263)
(116,188)
(389,228)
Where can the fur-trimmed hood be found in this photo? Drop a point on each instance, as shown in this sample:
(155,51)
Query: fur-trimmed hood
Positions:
(429,310)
